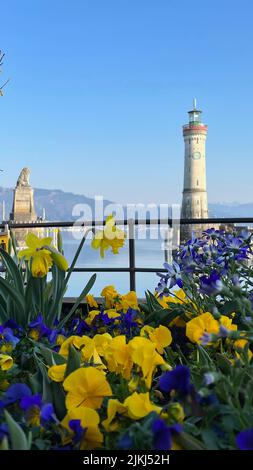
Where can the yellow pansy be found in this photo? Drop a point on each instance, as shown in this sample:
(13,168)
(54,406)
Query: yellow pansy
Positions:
(114,407)
(91,315)
(4,384)
(101,342)
(112,313)
(139,405)
(241,344)
(143,354)
(6,348)
(109,293)
(57,372)
(118,358)
(128,301)
(34,334)
(89,418)
(227,323)
(64,349)
(6,362)
(60,340)
(133,384)
(86,387)
(91,301)
(204,323)
(178,298)
(161,337)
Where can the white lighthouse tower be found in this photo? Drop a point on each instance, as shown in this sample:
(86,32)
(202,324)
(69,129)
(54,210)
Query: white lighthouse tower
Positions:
(194,205)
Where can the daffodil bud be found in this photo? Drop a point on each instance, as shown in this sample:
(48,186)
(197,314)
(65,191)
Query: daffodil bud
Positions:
(6,362)
(58,258)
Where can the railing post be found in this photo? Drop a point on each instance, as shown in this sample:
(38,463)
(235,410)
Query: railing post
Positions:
(131,235)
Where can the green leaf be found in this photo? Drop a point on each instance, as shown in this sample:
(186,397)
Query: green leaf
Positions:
(58,400)
(47,391)
(17,435)
(6,290)
(188,442)
(13,271)
(51,357)
(74,361)
(85,291)
(79,249)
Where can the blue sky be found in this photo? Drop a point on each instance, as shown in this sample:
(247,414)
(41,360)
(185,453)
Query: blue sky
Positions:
(100,89)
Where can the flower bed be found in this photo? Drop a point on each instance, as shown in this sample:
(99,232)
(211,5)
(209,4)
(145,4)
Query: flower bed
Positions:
(172,373)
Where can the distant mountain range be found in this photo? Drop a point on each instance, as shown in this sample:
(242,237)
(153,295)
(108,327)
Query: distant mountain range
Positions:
(59,205)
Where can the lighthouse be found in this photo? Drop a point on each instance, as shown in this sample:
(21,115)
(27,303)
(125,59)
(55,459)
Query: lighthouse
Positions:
(194,204)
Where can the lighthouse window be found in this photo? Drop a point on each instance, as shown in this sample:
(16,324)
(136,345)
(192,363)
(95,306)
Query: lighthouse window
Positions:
(197,140)
(198,202)
(197,182)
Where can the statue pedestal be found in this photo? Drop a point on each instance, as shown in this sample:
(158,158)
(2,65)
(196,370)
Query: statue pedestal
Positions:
(23,211)
(23,205)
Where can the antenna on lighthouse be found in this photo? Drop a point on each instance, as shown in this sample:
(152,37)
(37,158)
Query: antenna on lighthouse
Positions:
(194,103)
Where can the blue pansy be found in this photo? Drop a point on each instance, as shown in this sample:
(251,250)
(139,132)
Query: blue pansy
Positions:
(16,392)
(40,326)
(125,442)
(244,440)
(177,379)
(163,434)
(30,400)
(78,430)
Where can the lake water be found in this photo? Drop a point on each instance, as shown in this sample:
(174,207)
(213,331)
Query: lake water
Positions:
(149,253)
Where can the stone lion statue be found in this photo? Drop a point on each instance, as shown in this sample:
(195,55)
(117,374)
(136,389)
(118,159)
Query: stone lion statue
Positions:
(24,177)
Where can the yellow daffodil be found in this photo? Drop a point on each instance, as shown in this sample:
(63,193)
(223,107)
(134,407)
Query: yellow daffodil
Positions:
(91,301)
(57,372)
(160,336)
(110,237)
(139,405)
(86,387)
(6,362)
(41,255)
(89,420)
(204,323)
(114,407)
(143,353)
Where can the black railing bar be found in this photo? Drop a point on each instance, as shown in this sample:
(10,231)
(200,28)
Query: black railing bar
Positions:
(109,270)
(169,221)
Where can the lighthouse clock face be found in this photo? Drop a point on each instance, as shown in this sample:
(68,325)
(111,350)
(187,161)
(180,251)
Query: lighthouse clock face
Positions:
(196,155)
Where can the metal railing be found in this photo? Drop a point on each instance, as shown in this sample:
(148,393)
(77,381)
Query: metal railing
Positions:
(131,269)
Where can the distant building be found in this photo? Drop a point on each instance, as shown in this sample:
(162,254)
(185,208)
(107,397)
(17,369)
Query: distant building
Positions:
(194,204)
